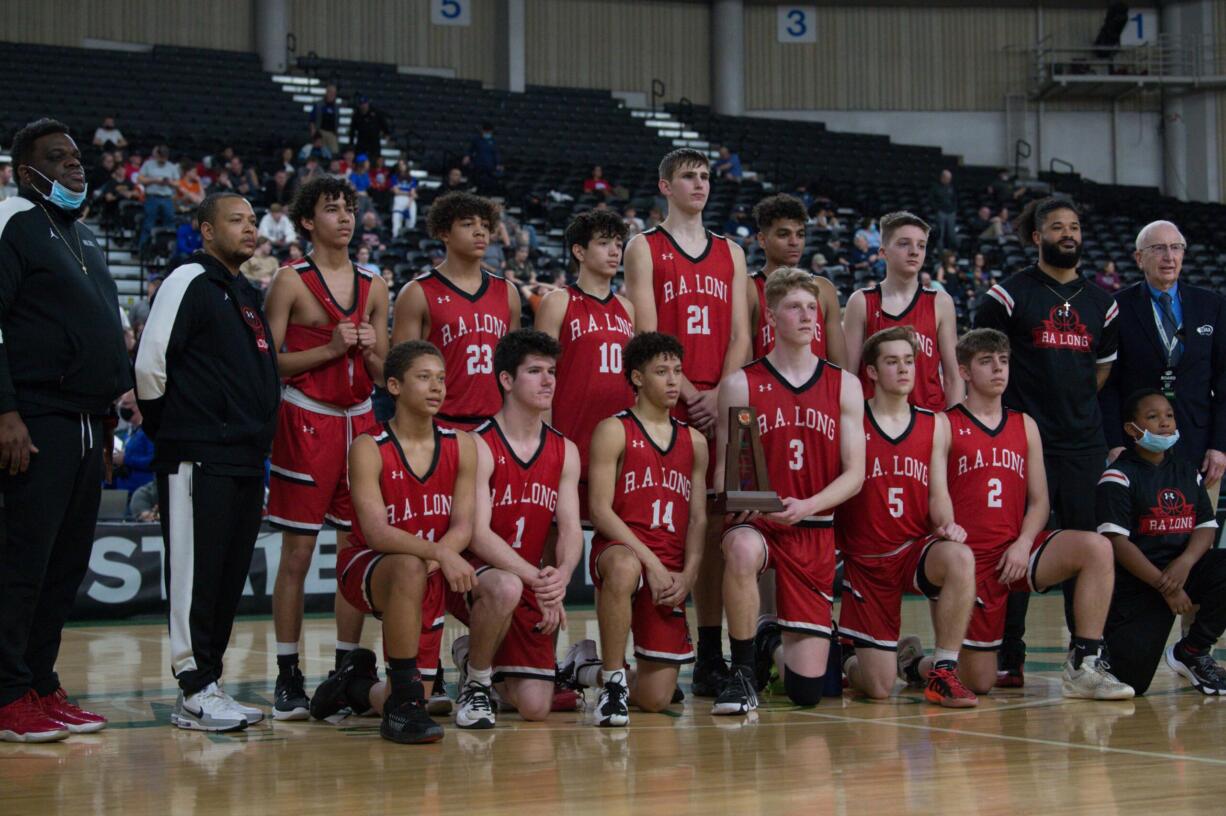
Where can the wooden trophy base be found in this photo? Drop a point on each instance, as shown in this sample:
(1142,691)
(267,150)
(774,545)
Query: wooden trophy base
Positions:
(740,501)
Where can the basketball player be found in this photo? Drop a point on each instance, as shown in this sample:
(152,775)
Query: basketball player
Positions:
(330,317)
(999,492)
(648,502)
(592,326)
(898,534)
(689,282)
(527,476)
(413,494)
(900,300)
(461,308)
(809,417)
(781,234)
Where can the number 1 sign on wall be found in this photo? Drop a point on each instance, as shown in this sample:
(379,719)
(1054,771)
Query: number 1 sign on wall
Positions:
(796,24)
(451,12)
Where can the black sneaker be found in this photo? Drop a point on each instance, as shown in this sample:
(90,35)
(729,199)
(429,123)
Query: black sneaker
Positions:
(613,710)
(292,702)
(408,723)
(678,696)
(710,677)
(1010,661)
(332,694)
(738,696)
(765,641)
(1201,670)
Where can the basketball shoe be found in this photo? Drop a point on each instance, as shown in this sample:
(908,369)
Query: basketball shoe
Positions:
(473,708)
(251,714)
(439,703)
(406,721)
(910,653)
(766,640)
(613,710)
(24,720)
(1010,662)
(1201,670)
(739,695)
(207,710)
(580,656)
(291,702)
(79,721)
(334,693)
(945,689)
(1093,681)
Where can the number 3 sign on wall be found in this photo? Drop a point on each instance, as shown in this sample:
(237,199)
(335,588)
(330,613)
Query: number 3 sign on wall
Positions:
(451,12)
(797,24)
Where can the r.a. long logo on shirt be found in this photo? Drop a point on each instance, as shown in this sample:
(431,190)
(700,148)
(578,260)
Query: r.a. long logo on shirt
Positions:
(1063,329)
(1172,514)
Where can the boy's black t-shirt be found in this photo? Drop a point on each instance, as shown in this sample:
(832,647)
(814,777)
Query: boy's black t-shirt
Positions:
(1156,506)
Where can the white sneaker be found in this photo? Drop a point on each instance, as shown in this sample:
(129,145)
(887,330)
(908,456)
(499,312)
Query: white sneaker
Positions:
(251,714)
(474,709)
(612,710)
(1093,681)
(207,710)
(459,659)
(909,650)
(579,655)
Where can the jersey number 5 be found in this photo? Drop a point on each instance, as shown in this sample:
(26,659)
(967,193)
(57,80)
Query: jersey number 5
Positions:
(894,500)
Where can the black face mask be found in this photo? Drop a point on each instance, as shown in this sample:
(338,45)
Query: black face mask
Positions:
(1053,255)
(126,414)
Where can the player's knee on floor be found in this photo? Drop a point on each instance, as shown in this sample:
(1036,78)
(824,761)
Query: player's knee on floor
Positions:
(802,690)
(653,703)
(742,552)
(875,688)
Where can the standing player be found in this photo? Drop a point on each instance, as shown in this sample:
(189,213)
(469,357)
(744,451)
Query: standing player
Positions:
(592,326)
(999,491)
(527,476)
(460,308)
(898,534)
(330,317)
(781,234)
(900,300)
(689,282)
(809,415)
(413,493)
(648,502)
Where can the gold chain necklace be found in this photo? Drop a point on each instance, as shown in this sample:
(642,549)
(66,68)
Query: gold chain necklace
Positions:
(79,255)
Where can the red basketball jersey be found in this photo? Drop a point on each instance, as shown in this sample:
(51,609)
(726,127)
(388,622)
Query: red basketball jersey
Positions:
(417,504)
(764,337)
(892,507)
(343,381)
(524,494)
(694,302)
(591,384)
(987,477)
(652,494)
(466,328)
(929,392)
(799,427)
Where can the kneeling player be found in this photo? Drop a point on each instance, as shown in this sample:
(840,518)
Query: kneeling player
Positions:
(898,535)
(810,416)
(1153,508)
(647,483)
(413,493)
(999,491)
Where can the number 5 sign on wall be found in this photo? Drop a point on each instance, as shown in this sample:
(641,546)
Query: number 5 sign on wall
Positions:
(797,24)
(451,12)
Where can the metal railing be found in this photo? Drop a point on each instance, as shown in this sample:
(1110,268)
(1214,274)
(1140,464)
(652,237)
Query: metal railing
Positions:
(1182,57)
(1021,152)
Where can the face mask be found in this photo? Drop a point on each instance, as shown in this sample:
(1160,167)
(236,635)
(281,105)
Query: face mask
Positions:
(62,197)
(126,414)
(1156,443)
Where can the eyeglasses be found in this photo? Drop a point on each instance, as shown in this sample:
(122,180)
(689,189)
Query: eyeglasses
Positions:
(1163,249)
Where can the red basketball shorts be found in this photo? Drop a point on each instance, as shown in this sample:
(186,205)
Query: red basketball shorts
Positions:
(661,633)
(987,627)
(803,560)
(873,587)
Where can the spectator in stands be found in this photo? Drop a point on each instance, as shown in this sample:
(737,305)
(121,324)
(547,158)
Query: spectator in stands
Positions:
(132,166)
(133,462)
(369,127)
(349,158)
(1003,189)
(947,272)
(597,184)
(818,264)
(871,232)
(519,233)
(371,233)
(728,165)
(943,200)
(278,229)
(359,177)
(325,116)
(437,255)
(143,505)
(634,224)
(286,161)
(455,181)
(315,149)
(1108,278)
(190,190)
(295,254)
(928,282)
(160,178)
(187,240)
(380,184)
(108,136)
(138,313)
(362,259)
(484,161)
(404,198)
(7,188)
(260,267)
(739,226)
(837,252)
(279,189)
(112,193)
(308,171)
(243,180)
(654,217)
(100,173)
(520,267)
(864,259)
(981,222)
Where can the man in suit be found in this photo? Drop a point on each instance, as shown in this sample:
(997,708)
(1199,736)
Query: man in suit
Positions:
(1173,338)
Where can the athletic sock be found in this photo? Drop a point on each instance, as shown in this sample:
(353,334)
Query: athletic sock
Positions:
(287,657)
(945,659)
(404,678)
(742,652)
(342,649)
(482,676)
(1085,647)
(710,643)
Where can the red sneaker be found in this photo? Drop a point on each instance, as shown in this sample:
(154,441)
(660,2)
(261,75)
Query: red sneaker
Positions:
(24,720)
(79,721)
(945,689)
(1010,678)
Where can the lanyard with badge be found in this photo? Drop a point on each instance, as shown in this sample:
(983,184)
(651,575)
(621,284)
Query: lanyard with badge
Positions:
(1171,344)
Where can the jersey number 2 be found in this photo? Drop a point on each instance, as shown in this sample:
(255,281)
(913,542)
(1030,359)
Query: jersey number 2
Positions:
(995,488)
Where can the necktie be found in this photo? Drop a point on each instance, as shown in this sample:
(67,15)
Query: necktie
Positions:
(1169,325)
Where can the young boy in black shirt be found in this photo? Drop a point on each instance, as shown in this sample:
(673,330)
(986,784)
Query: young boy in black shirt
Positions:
(1152,507)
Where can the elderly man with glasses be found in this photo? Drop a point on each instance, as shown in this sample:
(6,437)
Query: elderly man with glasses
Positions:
(1172,338)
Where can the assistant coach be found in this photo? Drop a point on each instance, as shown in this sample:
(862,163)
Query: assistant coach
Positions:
(206,379)
(1172,338)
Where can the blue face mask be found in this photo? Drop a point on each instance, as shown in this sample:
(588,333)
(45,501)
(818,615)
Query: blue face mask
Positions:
(62,197)
(1156,443)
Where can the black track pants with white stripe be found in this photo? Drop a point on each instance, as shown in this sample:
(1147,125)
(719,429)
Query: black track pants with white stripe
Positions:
(210,522)
(49,516)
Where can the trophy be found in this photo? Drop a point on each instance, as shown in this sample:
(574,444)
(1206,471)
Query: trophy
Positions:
(746,483)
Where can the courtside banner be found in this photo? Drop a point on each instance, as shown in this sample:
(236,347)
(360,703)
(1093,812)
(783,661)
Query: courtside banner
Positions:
(126,574)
